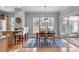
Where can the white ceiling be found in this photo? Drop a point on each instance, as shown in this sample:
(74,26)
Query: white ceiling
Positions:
(34,8)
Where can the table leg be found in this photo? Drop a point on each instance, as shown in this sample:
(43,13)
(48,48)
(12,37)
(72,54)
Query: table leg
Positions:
(36,42)
(54,43)
(15,40)
(39,42)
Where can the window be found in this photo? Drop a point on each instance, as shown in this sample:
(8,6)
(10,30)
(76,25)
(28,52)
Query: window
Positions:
(69,26)
(64,26)
(73,26)
(75,29)
(40,24)
(12,23)
(35,24)
(50,24)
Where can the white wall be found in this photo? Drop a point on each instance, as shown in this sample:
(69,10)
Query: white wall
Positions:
(21,14)
(70,11)
(10,15)
(29,20)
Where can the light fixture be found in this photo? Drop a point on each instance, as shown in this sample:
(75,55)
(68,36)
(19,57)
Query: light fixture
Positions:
(44,17)
(65,18)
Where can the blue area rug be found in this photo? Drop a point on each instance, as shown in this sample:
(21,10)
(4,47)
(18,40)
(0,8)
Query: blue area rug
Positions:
(57,43)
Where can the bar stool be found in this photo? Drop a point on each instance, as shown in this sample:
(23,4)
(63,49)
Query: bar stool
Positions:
(22,34)
(16,40)
(26,34)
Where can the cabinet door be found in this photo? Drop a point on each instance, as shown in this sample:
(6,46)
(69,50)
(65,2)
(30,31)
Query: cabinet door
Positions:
(3,45)
(9,38)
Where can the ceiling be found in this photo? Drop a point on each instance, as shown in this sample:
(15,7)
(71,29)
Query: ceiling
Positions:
(34,8)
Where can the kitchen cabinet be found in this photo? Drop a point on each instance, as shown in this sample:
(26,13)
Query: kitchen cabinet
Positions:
(10,38)
(3,22)
(3,45)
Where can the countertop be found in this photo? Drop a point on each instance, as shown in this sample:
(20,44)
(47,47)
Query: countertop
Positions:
(2,37)
(11,30)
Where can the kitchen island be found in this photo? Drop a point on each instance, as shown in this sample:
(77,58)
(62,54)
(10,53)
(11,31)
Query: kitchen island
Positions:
(3,44)
(10,36)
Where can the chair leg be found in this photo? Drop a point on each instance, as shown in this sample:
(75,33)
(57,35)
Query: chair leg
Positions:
(25,37)
(54,42)
(39,42)
(36,42)
(45,42)
(15,40)
(19,38)
(22,39)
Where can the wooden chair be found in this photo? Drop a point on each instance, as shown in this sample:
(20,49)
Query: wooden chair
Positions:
(40,36)
(23,34)
(16,36)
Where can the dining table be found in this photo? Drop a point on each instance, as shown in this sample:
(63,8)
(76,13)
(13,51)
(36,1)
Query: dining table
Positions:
(45,36)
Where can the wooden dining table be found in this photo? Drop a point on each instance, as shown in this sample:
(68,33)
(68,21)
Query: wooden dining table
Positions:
(45,36)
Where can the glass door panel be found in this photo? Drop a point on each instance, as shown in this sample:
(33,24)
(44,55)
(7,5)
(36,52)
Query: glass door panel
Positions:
(70,29)
(50,24)
(74,30)
(64,27)
(42,25)
(35,25)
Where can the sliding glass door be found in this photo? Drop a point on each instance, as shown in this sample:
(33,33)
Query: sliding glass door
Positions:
(42,24)
(70,26)
(35,25)
(73,26)
(50,24)
(63,26)
(70,30)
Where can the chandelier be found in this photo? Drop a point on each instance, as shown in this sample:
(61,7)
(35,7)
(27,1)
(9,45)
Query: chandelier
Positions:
(44,13)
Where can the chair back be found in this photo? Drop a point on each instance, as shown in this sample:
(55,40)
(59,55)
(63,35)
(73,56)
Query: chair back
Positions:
(24,30)
(27,30)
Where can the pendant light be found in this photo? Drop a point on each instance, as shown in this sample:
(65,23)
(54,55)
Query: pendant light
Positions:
(45,13)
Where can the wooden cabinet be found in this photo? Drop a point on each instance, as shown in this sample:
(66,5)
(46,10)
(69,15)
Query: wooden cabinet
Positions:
(4,19)
(10,38)
(2,16)
(3,45)
(3,22)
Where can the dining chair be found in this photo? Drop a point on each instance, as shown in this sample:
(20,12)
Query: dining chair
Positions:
(23,34)
(16,36)
(51,36)
(26,34)
(40,36)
